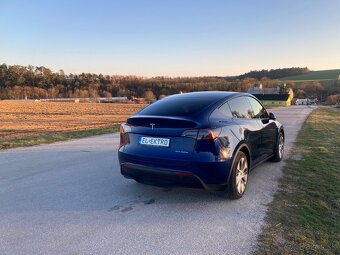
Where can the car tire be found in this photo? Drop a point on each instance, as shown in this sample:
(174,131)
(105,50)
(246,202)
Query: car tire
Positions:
(279,149)
(239,176)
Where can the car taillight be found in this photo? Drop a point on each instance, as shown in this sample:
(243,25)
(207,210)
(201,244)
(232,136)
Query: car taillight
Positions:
(208,134)
(124,134)
(202,134)
(192,133)
(125,128)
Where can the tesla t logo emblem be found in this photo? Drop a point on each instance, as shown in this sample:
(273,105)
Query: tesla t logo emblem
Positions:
(152,125)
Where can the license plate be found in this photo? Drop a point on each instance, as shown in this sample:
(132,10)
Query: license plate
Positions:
(154,141)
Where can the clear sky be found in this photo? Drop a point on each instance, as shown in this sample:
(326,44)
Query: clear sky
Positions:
(171,38)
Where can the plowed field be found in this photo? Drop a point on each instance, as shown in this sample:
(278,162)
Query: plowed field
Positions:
(20,120)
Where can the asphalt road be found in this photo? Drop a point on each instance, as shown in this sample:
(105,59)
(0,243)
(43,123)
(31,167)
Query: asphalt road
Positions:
(69,198)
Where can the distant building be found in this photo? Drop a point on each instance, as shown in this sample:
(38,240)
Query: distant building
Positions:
(274,99)
(306,101)
(77,100)
(138,100)
(303,101)
(257,89)
(279,96)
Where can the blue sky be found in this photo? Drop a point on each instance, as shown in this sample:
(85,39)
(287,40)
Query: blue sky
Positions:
(171,38)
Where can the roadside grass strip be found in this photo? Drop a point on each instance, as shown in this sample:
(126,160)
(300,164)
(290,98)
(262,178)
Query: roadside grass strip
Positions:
(304,217)
(55,137)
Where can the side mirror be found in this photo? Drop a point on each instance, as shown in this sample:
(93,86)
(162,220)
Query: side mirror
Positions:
(272,116)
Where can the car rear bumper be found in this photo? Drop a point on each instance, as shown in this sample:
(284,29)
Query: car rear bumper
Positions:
(207,175)
(160,176)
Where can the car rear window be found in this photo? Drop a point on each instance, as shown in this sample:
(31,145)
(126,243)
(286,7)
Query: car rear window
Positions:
(178,106)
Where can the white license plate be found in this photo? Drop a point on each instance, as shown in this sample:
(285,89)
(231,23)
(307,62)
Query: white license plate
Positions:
(154,141)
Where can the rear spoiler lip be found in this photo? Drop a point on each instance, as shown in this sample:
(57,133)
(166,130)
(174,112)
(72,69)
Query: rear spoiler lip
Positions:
(196,124)
(162,117)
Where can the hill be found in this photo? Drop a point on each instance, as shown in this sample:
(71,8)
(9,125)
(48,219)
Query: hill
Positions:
(314,76)
(275,73)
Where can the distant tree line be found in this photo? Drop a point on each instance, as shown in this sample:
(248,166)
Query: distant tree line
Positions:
(19,82)
(275,73)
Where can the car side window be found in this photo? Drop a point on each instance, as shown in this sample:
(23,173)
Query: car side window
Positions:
(225,110)
(240,108)
(258,109)
(221,113)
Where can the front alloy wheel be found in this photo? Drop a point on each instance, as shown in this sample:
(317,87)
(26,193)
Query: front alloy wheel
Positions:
(281,146)
(279,150)
(239,176)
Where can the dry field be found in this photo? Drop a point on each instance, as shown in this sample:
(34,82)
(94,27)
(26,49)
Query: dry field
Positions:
(21,120)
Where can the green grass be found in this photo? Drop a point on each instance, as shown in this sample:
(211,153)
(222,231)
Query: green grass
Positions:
(314,76)
(55,137)
(304,217)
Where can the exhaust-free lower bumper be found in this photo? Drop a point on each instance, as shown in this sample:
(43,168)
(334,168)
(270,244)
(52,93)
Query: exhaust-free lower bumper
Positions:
(166,177)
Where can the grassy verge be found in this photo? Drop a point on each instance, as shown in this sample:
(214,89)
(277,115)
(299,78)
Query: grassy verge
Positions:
(55,137)
(304,217)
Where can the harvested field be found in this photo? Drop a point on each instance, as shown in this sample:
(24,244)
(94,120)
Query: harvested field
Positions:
(21,120)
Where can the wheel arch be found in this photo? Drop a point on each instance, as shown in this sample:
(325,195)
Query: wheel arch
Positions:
(242,146)
(281,130)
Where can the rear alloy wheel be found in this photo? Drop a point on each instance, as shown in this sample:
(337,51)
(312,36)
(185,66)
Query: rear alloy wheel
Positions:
(239,176)
(279,150)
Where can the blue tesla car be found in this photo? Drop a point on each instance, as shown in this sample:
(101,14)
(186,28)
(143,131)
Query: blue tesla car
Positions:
(209,140)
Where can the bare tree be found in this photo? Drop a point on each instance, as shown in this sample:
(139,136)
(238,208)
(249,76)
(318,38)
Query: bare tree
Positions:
(149,96)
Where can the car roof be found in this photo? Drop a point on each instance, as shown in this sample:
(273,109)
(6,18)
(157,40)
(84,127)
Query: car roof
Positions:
(216,98)
(217,95)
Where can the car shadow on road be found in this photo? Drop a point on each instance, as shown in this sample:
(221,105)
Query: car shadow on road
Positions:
(104,190)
